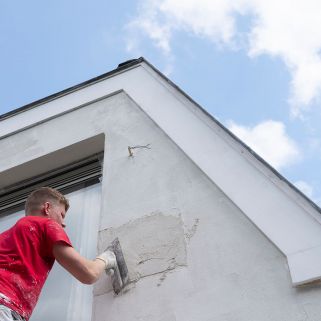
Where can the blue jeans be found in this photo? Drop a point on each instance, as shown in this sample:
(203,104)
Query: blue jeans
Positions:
(6,314)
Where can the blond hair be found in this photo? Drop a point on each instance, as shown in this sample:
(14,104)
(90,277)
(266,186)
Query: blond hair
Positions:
(42,195)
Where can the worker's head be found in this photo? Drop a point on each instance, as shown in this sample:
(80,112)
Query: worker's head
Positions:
(47,202)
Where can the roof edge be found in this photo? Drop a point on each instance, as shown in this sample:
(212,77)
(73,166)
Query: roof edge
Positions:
(233,136)
(133,62)
(121,67)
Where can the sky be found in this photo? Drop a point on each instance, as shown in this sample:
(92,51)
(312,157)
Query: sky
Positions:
(255,65)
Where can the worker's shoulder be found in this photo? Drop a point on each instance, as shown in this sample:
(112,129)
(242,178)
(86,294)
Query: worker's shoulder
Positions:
(35,221)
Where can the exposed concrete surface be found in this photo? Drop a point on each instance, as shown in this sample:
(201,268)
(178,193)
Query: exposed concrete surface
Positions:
(151,245)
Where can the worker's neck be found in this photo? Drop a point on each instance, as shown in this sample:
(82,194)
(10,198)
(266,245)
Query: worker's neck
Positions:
(35,213)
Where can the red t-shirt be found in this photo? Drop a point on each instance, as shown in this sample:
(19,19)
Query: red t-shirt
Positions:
(25,261)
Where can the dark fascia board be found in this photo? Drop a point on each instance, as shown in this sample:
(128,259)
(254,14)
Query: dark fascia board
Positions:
(129,64)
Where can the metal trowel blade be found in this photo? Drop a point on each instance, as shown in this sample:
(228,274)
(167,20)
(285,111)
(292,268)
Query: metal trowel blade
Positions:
(120,276)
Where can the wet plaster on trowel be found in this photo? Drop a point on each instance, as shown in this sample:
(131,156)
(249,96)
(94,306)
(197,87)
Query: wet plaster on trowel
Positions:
(153,244)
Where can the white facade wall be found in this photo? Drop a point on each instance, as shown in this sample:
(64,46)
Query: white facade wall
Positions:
(289,219)
(192,254)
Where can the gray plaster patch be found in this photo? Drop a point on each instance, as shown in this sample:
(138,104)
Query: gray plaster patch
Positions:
(152,244)
(191,231)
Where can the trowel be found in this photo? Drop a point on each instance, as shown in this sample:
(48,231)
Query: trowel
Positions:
(119,275)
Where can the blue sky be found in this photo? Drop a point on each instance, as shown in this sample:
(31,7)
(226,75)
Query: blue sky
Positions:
(255,69)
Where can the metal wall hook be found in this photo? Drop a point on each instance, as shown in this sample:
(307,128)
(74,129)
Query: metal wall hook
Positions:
(130,148)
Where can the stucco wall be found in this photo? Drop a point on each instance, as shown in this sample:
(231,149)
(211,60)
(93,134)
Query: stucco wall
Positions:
(202,259)
(192,254)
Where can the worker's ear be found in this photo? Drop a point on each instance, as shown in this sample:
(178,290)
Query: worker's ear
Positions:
(46,208)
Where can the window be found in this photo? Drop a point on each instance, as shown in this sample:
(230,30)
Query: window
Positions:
(63,297)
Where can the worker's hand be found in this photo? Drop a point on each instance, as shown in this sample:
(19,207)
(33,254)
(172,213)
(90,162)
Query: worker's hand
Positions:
(109,258)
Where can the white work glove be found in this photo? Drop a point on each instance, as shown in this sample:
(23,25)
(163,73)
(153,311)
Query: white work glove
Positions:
(109,258)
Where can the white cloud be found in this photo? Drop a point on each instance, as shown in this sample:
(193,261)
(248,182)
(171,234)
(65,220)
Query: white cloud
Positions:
(149,23)
(290,30)
(270,140)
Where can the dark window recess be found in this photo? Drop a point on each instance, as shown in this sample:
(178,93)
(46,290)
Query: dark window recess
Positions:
(66,179)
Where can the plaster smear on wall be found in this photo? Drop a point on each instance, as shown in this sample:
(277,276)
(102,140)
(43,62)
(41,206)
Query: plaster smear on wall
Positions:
(153,244)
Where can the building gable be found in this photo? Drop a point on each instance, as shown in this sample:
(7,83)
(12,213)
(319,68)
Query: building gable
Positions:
(281,212)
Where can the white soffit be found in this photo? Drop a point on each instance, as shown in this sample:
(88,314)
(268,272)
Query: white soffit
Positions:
(286,217)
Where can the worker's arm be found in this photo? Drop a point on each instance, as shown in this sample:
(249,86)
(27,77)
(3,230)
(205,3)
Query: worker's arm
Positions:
(84,270)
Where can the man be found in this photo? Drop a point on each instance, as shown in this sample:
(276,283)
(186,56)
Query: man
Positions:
(29,249)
